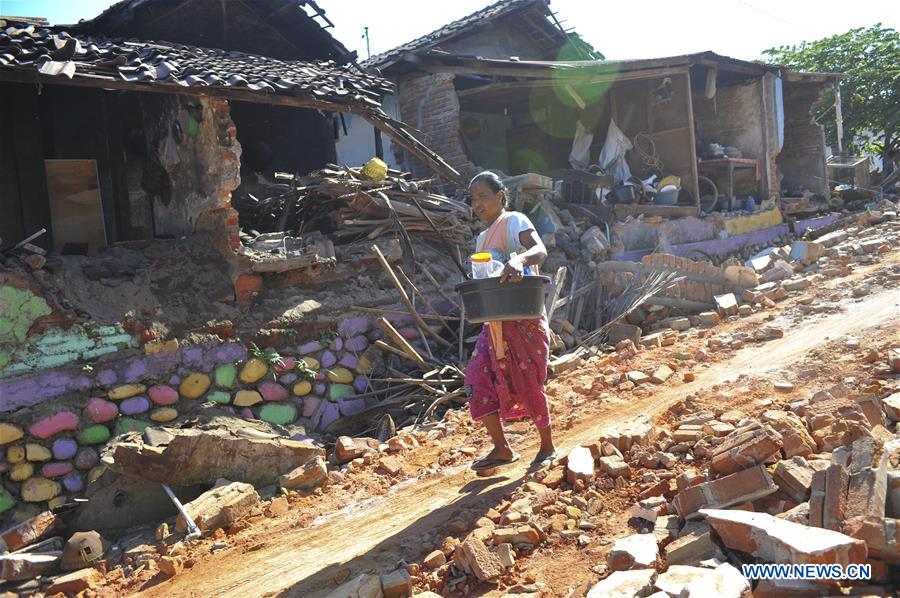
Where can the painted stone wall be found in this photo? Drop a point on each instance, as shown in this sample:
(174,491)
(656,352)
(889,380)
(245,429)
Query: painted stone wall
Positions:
(56,423)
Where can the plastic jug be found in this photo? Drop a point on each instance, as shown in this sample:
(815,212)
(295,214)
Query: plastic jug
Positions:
(485,266)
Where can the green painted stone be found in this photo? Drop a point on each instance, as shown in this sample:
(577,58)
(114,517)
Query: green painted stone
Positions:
(219,396)
(225,375)
(128,424)
(94,435)
(6,500)
(278,413)
(339,391)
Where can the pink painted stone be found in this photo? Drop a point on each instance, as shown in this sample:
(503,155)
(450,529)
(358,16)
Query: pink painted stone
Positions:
(247,414)
(135,405)
(57,469)
(101,411)
(310,404)
(163,395)
(287,364)
(272,391)
(47,427)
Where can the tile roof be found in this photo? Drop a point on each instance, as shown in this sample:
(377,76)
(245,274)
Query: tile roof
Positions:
(494,11)
(56,53)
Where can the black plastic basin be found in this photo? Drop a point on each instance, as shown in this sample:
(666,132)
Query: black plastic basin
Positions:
(489,300)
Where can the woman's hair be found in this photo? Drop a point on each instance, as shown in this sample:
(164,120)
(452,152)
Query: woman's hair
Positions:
(493,182)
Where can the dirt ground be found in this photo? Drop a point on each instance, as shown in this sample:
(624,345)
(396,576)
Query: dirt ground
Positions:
(369,522)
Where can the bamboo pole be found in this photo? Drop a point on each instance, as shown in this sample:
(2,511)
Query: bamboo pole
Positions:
(402,342)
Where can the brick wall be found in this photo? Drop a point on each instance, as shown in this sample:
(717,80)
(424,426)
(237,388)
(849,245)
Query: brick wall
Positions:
(429,104)
(802,158)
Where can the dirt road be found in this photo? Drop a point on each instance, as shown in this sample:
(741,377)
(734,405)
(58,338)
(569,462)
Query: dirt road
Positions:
(371,535)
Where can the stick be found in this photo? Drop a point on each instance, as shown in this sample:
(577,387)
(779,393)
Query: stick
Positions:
(558,281)
(394,312)
(404,345)
(439,234)
(405,298)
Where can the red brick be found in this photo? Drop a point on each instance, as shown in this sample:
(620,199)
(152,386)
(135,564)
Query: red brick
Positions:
(817,499)
(733,489)
(881,535)
(745,449)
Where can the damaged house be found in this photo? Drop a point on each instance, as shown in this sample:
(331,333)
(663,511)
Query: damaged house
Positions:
(491,91)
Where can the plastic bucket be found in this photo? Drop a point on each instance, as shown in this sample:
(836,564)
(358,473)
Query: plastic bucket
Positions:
(489,300)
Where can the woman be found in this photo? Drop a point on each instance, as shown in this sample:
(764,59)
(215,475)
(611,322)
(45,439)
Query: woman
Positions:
(508,368)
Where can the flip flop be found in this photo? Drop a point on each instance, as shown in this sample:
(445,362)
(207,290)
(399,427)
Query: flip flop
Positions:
(542,462)
(482,463)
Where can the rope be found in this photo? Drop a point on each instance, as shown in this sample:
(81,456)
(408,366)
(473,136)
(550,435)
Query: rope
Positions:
(648,152)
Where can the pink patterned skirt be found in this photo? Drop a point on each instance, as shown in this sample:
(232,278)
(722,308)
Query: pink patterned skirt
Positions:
(513,386)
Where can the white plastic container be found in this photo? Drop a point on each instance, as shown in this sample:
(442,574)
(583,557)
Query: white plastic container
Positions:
(484,266)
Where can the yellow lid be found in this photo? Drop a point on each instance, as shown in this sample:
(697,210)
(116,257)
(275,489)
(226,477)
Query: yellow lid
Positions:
(481,258)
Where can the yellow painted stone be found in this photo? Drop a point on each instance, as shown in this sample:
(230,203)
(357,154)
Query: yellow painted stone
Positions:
(15,454)
(302,388)
(56,502)
(246,398)
(126,391)
(10,433)
(253,371)
(194,386)
(36,452)
(340,376)
(364,366)
(39,490)
(161,346)
(164,414)
(95,473)
(312,363)
(21,472)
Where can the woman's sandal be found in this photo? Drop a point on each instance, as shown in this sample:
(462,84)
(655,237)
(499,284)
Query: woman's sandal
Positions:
(482,463)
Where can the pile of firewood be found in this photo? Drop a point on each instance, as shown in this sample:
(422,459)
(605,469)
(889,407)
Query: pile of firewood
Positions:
(343,203)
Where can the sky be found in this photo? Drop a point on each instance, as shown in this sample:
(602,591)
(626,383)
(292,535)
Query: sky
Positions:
(642,29)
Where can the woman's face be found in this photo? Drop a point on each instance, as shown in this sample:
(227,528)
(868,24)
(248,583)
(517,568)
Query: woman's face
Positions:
(486,204)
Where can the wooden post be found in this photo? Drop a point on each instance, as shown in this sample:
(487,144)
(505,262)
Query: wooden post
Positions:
(404,345)
(692,137)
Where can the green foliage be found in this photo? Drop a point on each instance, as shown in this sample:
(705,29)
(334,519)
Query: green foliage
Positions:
(869,58)
(578,49)
(271,357)
(302,369)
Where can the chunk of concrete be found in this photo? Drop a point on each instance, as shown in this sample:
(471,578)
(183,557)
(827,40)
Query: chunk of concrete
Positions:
(194,456)
(580,465)
(637,551)
(75,583)
(25,565)
(305,477)
(397,584)
(881,535)
(625,584)
(737,488)
(219,507)
(473,557)
(779,541)
(727,304)
(691,549)
(677,578)
(725,581)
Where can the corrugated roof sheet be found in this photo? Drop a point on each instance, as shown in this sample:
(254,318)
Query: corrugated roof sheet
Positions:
(54,52)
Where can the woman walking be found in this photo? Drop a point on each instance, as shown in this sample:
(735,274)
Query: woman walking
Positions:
(508,368)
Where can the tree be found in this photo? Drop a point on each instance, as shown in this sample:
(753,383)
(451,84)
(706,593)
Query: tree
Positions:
(869,58)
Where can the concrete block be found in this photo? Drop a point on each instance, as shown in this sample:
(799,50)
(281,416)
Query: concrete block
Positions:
(622,584)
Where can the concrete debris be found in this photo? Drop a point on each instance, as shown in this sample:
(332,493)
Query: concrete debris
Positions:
(219,507)
(692,548)
(75,583)
(625,584)
(743,449)
(747,485)
(724,581)
(364,586)
(194,456)
(727,304)
(779,541)
(473,557)
(580,465)
(794,478)
(24,565)
(397,584)
(29,531)
(170,566)
(305,477)
(633,552)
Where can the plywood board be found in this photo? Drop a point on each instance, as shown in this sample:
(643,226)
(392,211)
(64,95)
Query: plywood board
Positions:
(76,214)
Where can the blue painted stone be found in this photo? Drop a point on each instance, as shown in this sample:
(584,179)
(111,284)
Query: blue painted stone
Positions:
(352,406)
(135,405)
(338,344)
(64,448)
(289,378)
(310,347)
(349,361)
(361,383)
(73,482)
(328,359)
(320,388)
(354,326)
(357,344)
(330,413)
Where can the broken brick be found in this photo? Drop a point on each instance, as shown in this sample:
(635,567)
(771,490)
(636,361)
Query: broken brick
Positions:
(778,541)
(219,507)
(745,449)
(523,534)
(881,535)
(867,490)
(472,556)
(661,374)
(73,583)
(347,449)
(834,500)
(795,438)
(613,467)
(794,478)
(745,485)
(692,548)
(396,584)
(637,551)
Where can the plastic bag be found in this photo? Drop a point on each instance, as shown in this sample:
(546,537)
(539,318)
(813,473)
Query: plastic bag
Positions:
(580,156)
(612,156)
(169,157)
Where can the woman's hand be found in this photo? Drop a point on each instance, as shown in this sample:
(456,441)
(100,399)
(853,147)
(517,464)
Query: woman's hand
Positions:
(513,271)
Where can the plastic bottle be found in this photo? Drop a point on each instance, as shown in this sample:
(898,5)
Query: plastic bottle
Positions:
(485,266)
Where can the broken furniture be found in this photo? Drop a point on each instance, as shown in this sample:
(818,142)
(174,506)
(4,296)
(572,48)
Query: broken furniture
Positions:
(728,165)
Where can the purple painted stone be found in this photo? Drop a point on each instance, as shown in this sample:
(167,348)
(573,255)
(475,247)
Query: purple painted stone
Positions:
(310,347)
(360,384)
(175,380)
(64,448)
(107,377)
(272,391)
(229,352)
(25,391)
(86,458)
(320,388)
(100,410)
(338,344)
(357,344)
(328,359)
(349,361)
(136,371)
(310,404)
(163,395)
(302,437)
(352,406)
(47,427)
(73,482)
(247,414)
(192,357)
(354,326)
(135,405)
(55,470)
(288,378)
(330,413)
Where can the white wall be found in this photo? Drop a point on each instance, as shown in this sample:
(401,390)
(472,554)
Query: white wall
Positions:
(358,145)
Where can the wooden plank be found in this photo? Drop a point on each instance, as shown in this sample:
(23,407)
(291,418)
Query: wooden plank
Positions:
(29,155)
(693,140)
(407,349)
(75,208)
